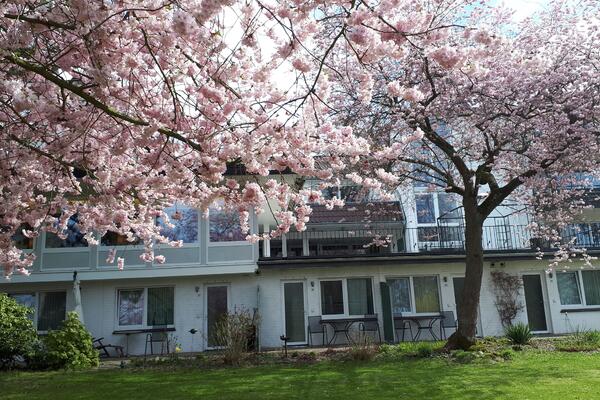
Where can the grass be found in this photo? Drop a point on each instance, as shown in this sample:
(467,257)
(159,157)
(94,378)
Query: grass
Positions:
(530,375)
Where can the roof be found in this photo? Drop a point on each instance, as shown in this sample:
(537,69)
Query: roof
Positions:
(357,213)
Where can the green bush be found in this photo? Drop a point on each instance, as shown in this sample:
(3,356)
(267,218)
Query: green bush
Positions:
(580,341)
(463,357)
(519,333)
(69,347)
(17,334)
(410,350)
(507,354)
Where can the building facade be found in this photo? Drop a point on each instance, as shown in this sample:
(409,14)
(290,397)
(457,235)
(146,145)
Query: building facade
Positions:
(332,270)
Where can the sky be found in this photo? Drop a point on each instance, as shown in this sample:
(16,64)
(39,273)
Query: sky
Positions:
(523,8)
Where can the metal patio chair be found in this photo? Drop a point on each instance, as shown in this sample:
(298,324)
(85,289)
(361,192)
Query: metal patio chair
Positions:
(447,321)
(370,326)
(159,336)
(315,326)
(403,325)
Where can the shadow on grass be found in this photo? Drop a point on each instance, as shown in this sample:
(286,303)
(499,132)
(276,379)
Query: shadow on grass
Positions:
(532,376)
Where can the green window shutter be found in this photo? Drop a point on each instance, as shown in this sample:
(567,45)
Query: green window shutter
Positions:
(386,311)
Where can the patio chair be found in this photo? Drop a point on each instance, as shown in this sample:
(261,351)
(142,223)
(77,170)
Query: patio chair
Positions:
(103,348)
(447,321)
(370,326)
(315,326)
(403,325)
(161,336)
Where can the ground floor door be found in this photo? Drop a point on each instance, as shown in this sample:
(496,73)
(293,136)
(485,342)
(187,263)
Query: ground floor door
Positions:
(459,284)
(217,306)
(534,302)
(293,298)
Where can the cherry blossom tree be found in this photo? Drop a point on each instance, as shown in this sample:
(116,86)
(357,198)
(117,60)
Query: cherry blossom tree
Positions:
(473,105)
(115,110)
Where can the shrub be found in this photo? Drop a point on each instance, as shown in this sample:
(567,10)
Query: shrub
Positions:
(580,341)
(507,354)
(17,334)
(362,348)
(232,334)
(70,346)
(410,349)
(463,357)
(519,333)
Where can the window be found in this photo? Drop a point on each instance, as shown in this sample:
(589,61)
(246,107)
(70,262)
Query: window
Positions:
(21,241)
(360,296)
(425,209)
(579,287)
(439,220)
(47,313)
(146,306)
(71,236)
(449,207)
(418,294)
(591,287)
(427,297)
(400,290)
(224,225)
(52,310)
(26,299)
(585,234)
(347,297)
(131,307)
(116,239)
(185,224)
(568,288)
(332,297)
(160,306)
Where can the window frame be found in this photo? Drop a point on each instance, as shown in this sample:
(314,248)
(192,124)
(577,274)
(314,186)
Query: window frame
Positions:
(36,307)
(68,249)
(226,242)
(453,223)
(195,243)
(345,299)
(413,305)
(580,287)
(144,324)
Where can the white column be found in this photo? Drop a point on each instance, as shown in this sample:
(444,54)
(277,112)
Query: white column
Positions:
(266,242)
(283,246)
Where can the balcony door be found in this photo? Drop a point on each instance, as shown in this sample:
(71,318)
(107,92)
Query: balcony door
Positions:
(217,307)
(534,302)
(294,314)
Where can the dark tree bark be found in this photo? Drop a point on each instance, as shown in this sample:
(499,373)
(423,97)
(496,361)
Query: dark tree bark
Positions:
(464,337)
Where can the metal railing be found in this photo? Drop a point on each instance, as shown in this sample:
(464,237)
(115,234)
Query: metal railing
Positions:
(438,239)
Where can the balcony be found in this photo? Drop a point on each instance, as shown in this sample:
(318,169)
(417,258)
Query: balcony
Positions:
(381,240)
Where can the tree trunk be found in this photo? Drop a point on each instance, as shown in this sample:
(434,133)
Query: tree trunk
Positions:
(464,337)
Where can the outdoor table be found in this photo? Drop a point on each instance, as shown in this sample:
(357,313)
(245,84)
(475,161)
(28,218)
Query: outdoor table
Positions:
(128,332)
(343,325)
(419,320)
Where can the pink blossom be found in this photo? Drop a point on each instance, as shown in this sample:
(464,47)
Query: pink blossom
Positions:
(301,65)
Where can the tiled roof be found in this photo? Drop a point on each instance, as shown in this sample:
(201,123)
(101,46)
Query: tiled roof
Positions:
(357,213)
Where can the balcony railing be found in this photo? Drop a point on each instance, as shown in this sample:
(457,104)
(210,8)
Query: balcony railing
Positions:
(428,240)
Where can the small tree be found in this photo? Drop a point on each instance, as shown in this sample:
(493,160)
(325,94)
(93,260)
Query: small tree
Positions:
(70,347)
(17,334)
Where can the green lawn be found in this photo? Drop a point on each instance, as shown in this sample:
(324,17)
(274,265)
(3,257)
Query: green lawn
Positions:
(548,375)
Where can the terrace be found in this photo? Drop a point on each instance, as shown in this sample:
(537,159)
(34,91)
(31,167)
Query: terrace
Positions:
(379,229)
